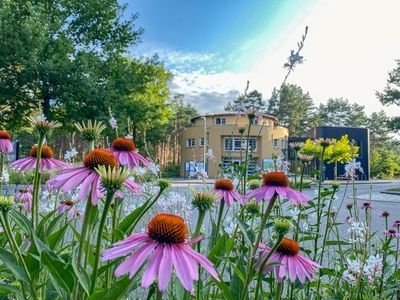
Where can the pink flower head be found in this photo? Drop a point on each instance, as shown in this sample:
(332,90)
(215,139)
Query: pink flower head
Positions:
(24,196)
(396,224)
(165,245)
(277,183)
(392,233)
(290,262)
(225,190)
(68,205)
(47,161)
(384,213)
(366,205)
(126,153)
(87,178)
(5,144)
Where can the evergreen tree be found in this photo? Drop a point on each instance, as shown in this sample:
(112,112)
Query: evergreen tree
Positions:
(293,108)
(252,100)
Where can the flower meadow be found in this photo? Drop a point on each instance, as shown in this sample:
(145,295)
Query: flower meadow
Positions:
(109,227)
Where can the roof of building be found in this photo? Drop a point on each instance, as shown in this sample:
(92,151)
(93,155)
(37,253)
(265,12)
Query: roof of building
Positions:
(228,113)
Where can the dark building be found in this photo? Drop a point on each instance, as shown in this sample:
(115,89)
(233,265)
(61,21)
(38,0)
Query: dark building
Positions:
(360,136)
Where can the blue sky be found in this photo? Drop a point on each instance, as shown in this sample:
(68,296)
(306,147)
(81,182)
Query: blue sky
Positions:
(214,47)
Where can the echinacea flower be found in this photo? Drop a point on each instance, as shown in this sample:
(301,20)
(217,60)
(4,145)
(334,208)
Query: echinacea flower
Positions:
(396,224)
(277,183)
(384,213)
(296,146)
(68,205)
(225,190)
(87,177)
(166,246)
(5,144)
(24,196)
(47,161)
(366,205)
(126,153)
(288,262)
(392,233)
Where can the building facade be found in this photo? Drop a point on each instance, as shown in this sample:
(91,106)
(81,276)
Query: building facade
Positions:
(225,135)
(360,138)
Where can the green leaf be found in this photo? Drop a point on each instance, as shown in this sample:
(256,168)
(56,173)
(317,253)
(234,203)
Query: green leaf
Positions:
(119,290)
(238,278)
(82,275)
(6,289)
(332,243)
(59,270)
(248,235)
(218,250)
(55,238)
(11,264)
(224,289)
(126,224)
(53,224)
(21,221)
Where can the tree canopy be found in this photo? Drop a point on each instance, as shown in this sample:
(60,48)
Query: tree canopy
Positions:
(253,100)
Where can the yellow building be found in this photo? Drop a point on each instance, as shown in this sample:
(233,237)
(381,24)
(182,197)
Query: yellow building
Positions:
(225,134)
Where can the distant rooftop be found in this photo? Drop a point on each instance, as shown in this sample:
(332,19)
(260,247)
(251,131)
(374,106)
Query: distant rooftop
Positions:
(229,113)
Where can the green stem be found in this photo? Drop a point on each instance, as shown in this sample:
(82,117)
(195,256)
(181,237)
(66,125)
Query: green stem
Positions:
(246,158)
(219,220)
(36,183)
(1,172)
(15,247)
(255,248)
(278,292)
(383,266)
(107,204)
(277,243)
(158,294)
(319,208)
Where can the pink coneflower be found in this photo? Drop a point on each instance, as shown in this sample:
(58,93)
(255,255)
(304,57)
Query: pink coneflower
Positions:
(384,213)
(225,190)
(68,205)
(290,262)
(166,245)
(87,177)
(277,182)
(24,196)
(396,224)
(126,153)
(366,205)
(392,233)
(47,161)
(5,144)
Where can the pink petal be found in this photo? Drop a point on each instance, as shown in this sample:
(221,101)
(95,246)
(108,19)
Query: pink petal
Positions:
(151,271)
(164,272)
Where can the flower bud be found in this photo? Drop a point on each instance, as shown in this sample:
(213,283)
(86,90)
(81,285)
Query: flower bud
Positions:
(164,184)
(203,201)
(254,184)
(6,202)
(253,208)
(282,226)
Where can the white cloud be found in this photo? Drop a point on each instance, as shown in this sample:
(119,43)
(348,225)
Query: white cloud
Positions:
(351,46)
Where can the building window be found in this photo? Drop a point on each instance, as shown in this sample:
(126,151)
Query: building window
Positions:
(237,144)
(232,162)
(276,143)
(220,121)
(190,143)
(283,144)
(201,142)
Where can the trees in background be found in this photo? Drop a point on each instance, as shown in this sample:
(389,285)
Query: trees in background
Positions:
(340,112)
(294,109)
(253,100)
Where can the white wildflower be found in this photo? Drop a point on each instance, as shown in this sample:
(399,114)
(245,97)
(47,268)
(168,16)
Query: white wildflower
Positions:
(113,123)
(70,154)
(154,168)
(5,178)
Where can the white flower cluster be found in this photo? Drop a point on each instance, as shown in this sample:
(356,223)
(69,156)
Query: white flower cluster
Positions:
(358,231)
(5,178)
(70,154)
(371,268)
(201,174)
(113,123)
(176,203)
(154,168)
(351,169)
